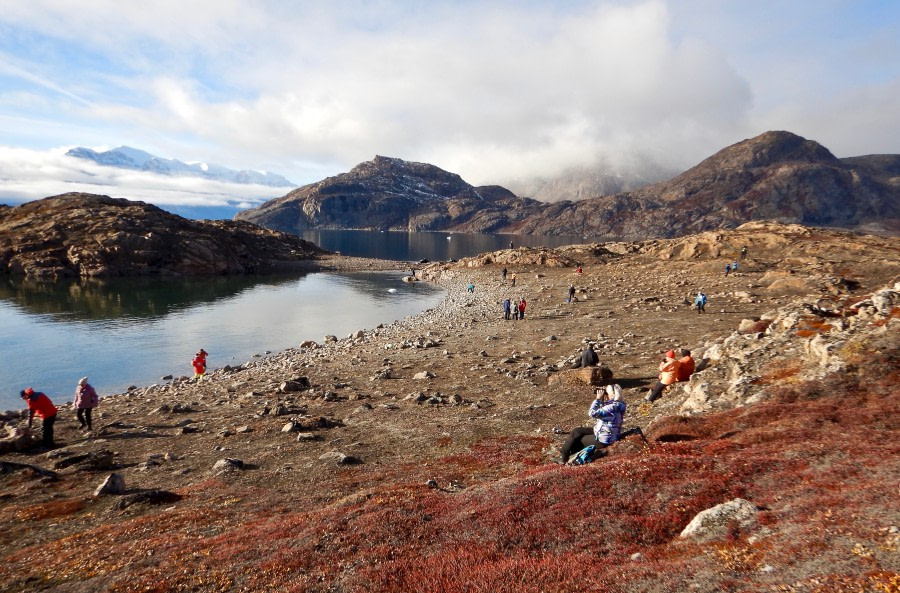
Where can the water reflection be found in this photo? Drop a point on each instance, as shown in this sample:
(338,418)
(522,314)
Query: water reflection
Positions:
(133,331)
(118,298)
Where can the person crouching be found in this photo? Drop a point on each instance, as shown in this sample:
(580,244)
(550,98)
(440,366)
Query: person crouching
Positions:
(610,414)
(40,404)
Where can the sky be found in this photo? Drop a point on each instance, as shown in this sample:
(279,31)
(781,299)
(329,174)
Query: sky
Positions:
(498,91)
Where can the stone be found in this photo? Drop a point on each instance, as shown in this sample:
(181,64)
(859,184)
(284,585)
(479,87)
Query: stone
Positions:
(113,484)
(227,465)
(714,522)
(423,375)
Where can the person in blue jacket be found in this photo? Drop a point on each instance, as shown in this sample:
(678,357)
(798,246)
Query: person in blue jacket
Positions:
(700,302)
(609,413)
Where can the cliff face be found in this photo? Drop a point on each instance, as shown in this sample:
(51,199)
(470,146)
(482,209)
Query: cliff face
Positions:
(88,235)
(775,176)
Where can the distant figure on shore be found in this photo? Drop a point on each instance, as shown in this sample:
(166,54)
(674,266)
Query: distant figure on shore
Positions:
(588,358)
(511,245)
(506,309)
(513,278)
(734,266)
(503,274)
(571,293)
(686,365)
(668,374)
(700,302)
(516,310)
(744,252)
(38,403)
(470,287)
(578,271)
(199,364)
(86,400)
(727,269)
(522,304)
(610,414)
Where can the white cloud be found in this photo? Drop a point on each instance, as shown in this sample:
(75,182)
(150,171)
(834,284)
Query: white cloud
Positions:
(493,90)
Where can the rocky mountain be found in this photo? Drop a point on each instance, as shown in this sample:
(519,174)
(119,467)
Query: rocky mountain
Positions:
(77,234)
(774,176)
(126,157)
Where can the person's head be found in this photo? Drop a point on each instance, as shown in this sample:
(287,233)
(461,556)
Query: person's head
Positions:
(26,393)
(202,352)
(614,392)
(684,352)
(82,380)
(670,354)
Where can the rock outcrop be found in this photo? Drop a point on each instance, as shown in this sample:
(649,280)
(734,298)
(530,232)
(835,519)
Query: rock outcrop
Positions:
(86,235)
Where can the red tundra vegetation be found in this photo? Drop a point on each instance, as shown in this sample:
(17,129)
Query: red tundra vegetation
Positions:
(820,461)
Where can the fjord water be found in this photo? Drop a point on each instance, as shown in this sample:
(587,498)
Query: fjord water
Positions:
(125,332)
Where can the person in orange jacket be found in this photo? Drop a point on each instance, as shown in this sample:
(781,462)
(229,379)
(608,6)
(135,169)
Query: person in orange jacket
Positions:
(668,374)
(199,364)
(686,365)
(40,404)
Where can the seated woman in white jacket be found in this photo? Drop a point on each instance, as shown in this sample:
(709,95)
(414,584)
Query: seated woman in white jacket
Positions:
(610,414)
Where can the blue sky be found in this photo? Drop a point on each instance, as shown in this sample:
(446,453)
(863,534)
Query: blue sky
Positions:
(497,91)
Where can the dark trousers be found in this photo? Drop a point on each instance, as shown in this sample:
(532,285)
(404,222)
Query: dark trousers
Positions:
(47,430)
(656,392)
(579,438)
(84,417)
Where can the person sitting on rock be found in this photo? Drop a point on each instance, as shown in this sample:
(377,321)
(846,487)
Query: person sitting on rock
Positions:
(199,364)
(609,413)
(686,365)
(40,404)
(668,374)
(588,358)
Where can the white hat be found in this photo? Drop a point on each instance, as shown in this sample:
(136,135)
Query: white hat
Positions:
(82,380)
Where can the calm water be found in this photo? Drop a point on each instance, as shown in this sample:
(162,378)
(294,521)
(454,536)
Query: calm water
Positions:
(134,331)
(431,246)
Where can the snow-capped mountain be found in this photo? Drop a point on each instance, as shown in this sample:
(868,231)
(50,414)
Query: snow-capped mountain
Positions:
(126,157)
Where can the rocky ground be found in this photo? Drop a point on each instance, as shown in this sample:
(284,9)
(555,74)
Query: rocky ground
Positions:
(441,402)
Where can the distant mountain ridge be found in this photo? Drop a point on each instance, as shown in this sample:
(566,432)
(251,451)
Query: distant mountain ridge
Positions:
(125,157)
(775,176)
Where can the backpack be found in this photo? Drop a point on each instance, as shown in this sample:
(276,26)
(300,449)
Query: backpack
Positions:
(584,456)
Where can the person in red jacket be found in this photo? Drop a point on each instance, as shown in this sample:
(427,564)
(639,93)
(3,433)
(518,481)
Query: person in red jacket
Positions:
(686,365)
(668,374)
(40,404)
(199,364)
(522,304)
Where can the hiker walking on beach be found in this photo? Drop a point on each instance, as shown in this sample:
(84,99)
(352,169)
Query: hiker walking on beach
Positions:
(522,304)
(609,411)
(727,269)
(38,403)
(515,310)
(199,364)
(503,274)
(506,307)
(734,266)
(513,278)
(744,252)
(470,287)
(700,302)
(86,400)
(571,293)
(668,374)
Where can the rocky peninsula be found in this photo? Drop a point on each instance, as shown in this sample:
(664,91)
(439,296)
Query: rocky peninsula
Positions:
(420,456)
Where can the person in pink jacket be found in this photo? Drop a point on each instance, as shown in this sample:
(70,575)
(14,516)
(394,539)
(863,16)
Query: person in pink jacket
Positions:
(668,374)
(86,400)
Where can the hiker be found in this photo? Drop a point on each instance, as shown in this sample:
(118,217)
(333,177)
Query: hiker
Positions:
(609,414)
(571,293)
(40,404)
(578,271)
(510,244)
(470,287)
(686,365)
(506,308)
(199,364)
(503,274)
(727,269)
(86,400)
(515,311)
(668,374)
(522,304)
(700,302)
(588,358)
(734,266)
(744,252)
(513,278)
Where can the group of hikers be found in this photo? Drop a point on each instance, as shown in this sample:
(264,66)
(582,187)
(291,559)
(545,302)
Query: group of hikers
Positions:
(608,407)
(514,310)
(86,399)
